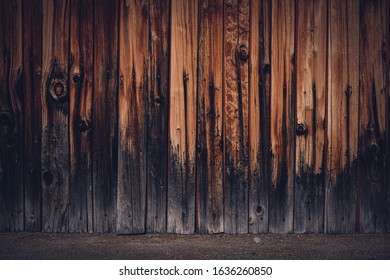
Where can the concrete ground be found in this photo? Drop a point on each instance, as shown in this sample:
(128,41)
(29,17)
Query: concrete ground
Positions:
(248,246)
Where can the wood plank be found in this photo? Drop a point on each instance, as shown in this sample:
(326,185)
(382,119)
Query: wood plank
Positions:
(209,132)
(236,92)
(157,129)
(311,53)
(182,117)
(372,115)
(388,119)
(80,94)
(32,65)
(11,119)
(104,111)
(259,115)
(282,117)
(133,73)
(55,117)
(343,112)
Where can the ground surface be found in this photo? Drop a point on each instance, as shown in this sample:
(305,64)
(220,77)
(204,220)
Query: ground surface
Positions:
(269,246)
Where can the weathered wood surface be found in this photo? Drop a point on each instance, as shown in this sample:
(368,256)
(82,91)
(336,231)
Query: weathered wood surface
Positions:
(157,117)
(32,68)
(11,118)
(282,116)
(80,116)
(210,131)
(236,94)
(104,111)
(259,115)
(133,90)
(372,115)
(310,115)
(202,116)
(55,116)
(342,122)
(182,117)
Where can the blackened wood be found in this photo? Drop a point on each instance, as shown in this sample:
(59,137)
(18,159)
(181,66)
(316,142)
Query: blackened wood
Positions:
(32,68)
(372,115)
(282,117)
(157,122)
(259,115)
(236,93)
(209,129)
(11,118)
(80,121)
(133,90)
(311,49)
(182,116)
(343,112)
(55,116)
(104,115)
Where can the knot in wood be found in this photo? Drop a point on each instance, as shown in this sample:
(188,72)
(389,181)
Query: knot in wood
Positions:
(242,52)
(374,148)
(76,78)
(58,89)
(302,129)
(48,177)
(84,125)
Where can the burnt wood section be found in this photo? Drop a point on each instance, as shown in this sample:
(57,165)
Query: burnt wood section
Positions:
(200,116)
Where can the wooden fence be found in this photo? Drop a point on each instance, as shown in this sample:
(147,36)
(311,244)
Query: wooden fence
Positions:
(206,116)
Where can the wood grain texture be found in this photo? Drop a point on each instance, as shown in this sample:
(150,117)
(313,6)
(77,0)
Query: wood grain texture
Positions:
(388,119)
(55,116)
(236,94)
(32,68)
(11,118)
(259,115)
(372,115)
(343,112)
(157,122)
(104,111)
(282,117)
(80,116)
(133,91)
(182,117)
(310,141)
(209,131)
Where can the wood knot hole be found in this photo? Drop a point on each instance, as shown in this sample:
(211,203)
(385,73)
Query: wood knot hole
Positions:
(242,52)
(48,177)
(76,78)
(84,125)
(302,129)
(259,210)
(374,148)
(58,89)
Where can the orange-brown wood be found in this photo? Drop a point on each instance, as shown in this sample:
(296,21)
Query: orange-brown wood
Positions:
(80,116)
(282,117)
(55,116)
(104,122)
(182,116)
(133,90)
(374,28)
(259,115)
(310,120)
(209,132)
(343,113)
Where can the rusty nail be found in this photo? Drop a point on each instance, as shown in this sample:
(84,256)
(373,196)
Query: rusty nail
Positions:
(242,52)
(302,129)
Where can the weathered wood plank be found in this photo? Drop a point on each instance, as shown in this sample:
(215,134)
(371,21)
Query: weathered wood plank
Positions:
(11,118)
(282,117)
(343,112)
(32,65)
(133,73)
(388,118)
(80,94)
(209,132)
(372,115)
(259,115)
(157,133)
(182,117)
(104,111)
(309,195)
(55,116)
(236,93)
